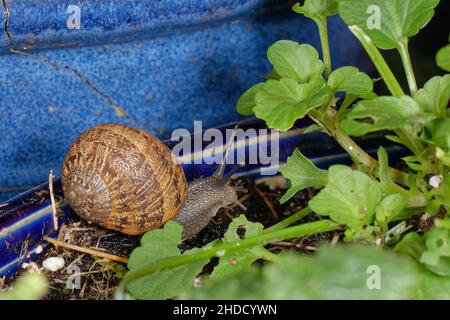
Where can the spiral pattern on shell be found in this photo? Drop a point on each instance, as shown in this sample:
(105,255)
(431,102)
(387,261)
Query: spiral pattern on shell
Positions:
(123,179)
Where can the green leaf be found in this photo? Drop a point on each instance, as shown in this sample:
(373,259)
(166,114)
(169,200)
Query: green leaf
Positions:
(442,194)
(238,260)
(350,80)
(432,286)
(443,58)
(271,76)
(437,255)
(350,197)
(342,272)
(435,94)
(316,8)
(302,173)
(443,155)
(155,245)
(299,62)
(411,244)
(389,208)
(29,286)
(433,249)
(437,132)
(246,102)
(382,113)
(281,102)
(411,197)
(388,22)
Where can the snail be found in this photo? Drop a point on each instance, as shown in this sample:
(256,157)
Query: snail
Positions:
(125,179)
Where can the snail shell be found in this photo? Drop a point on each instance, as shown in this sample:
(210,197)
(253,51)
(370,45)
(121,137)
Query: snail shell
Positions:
(123,178)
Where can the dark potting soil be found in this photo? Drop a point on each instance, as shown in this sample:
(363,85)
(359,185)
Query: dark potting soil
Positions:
(100,277)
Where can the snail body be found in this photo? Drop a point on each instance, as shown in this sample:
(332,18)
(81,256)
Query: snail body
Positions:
(204,199)
(125,179)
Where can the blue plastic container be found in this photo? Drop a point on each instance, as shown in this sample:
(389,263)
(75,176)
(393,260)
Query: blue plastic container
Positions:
(165,63)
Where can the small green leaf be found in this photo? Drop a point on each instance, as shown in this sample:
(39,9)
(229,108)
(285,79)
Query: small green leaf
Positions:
(271,76)
(414,162)
(29,286)
(302,173)
(435,95)
(411,244)
(342,272)
(433,249)
(316,8)
(443,223)
(350,197)
(155,245)
(432,286)
(442,193)
(437,132)
(281,102)
(299,62)
(411,197)
(388,22)
(246,102)
(350,80)
(382,113)
(389,208)
(437,255)
(443,58)
(443,156)
(238,260)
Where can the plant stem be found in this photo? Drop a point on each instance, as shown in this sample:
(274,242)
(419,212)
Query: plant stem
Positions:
(289,220)
(348,100)
(412,144)
(406,60)
(327,123)
(224,248)
(266,254)
(390,80)
(323,33)
(379,62)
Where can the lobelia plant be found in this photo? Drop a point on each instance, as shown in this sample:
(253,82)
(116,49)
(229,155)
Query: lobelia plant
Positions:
(370,203)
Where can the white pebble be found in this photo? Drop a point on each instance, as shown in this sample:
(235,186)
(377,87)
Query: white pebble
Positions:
(24,265)
(39,249)
(53,264)
(435,181)
(196,283)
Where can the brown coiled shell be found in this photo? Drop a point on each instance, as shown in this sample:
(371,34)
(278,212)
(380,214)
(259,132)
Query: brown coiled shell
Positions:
(123,178)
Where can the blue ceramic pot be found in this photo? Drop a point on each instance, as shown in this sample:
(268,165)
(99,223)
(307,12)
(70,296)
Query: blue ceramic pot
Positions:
(165,63)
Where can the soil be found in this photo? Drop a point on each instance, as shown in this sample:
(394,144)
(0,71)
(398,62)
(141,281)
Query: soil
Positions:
(100,276)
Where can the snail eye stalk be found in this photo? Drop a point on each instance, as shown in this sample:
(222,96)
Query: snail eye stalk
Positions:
(221,169)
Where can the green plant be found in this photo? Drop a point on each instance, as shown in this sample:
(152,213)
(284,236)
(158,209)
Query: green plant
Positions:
(29,286)
(370,203)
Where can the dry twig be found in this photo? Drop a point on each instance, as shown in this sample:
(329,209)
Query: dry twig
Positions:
(91,252)
(52,199)
(268,203)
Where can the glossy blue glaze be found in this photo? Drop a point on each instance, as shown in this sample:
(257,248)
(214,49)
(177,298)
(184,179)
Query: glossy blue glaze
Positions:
(165,62)
(25,219)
